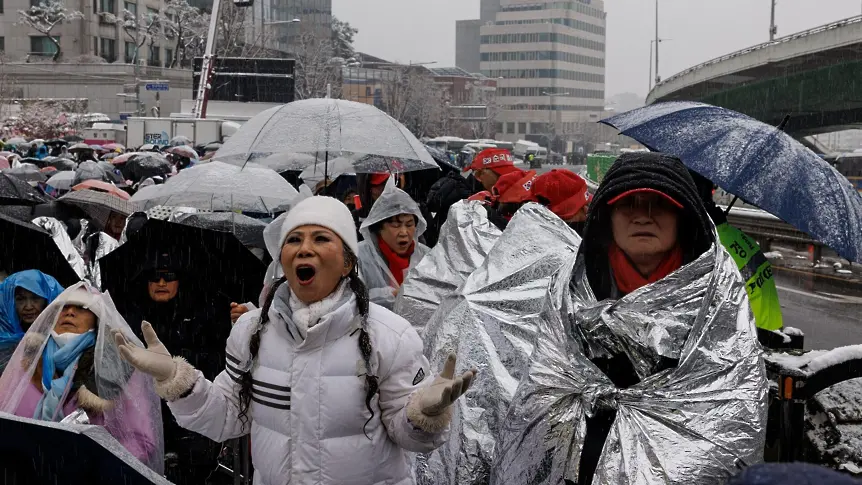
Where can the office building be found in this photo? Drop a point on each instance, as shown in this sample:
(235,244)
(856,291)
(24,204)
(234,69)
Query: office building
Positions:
(315,17)
(467,44)
(548,57)
(94,34)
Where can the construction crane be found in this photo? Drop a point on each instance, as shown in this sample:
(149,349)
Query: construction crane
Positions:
(208,64)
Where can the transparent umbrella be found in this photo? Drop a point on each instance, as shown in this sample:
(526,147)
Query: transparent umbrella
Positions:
(327,126)
(288,161)
(219,186)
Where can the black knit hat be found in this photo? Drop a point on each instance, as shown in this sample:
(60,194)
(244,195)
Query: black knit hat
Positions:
(657,171)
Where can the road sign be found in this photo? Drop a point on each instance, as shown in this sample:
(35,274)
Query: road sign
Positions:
(157,87)
(125,116)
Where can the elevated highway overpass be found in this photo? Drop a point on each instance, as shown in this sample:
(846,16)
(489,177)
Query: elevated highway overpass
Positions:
(814,76)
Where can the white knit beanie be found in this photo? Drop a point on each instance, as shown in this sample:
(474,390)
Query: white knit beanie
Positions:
(325,212)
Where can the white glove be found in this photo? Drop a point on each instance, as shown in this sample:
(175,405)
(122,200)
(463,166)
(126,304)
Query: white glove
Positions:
(173,375)
(155,360)
(446,389)
(430,408)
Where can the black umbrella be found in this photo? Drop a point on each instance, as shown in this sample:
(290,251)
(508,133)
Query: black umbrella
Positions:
(213,264)
(14,191)
(63,164)
(27,173)
(26,246)
(112,172)
(35,161)
(56,142)
(42,452)
(248,230)
(145,165)
(73,138)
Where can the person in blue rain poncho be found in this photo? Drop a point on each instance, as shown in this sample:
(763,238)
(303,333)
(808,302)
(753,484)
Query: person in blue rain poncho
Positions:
(23,296)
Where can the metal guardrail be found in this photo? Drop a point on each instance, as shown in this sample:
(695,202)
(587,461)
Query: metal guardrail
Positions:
(748,50)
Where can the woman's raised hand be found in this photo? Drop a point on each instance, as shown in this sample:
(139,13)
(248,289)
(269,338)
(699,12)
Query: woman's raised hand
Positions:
(154,360)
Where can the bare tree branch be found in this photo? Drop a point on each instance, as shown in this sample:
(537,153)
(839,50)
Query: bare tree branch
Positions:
(45,16)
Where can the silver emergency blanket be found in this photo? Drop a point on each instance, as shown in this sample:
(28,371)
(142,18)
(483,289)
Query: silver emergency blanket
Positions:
(105,245)
(64,243)
(490,323)
(464,242)
(694,423)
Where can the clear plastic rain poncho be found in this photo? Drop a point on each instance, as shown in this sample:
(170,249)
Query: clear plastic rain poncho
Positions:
(373,267)
(465,239)
(698,422)
(490,323)
(111,393)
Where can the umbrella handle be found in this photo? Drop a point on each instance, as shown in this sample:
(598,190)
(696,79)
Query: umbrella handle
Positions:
(783,122)
(730,206)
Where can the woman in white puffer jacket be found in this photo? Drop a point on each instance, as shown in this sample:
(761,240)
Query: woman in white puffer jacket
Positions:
(332,388)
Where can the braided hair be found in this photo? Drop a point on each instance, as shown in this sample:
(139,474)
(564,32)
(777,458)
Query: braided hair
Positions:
(372,384)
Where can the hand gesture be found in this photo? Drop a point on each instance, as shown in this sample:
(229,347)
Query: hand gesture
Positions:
(155,360)
(236,311)
(446,389)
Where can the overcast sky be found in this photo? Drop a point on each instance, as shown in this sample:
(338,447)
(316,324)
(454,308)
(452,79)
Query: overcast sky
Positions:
(424,30)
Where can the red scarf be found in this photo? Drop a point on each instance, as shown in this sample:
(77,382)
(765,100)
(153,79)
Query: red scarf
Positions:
(397,264)
(627,276)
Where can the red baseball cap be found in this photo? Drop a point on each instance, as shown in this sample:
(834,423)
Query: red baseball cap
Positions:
(645,190)
(565,192)
(483,196)
(519,191)
(498,160)
(505,182)
(379,178)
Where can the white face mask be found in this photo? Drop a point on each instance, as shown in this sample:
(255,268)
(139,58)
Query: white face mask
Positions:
(64,338)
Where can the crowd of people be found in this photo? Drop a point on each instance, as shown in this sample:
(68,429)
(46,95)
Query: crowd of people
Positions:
(330,383)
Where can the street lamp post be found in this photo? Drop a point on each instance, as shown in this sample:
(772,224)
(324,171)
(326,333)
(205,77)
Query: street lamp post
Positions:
(773,29)
(657,41)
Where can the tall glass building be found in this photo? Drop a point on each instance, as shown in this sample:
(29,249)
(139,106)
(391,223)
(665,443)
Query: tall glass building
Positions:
(548,57)
(315,16)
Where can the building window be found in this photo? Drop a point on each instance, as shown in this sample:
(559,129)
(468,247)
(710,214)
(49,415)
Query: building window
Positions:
(510,128)
(154,55)
(95,46)
(130,52)
(131,7)
(43,46)
(2,43)
(169,57)
(108,48)
(108,6)
(522,128)
(1,6)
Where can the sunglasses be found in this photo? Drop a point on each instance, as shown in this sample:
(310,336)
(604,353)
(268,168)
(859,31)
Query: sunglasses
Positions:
(168,276)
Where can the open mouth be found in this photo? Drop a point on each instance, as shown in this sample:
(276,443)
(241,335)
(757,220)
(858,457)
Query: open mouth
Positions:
(305,274)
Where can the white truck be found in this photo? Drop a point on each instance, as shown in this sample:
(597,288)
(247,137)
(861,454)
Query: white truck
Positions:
(159,131)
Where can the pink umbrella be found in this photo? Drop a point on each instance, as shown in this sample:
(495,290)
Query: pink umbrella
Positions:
(184,151)
(114,146)
(4,163)
(123,158)
(100,186)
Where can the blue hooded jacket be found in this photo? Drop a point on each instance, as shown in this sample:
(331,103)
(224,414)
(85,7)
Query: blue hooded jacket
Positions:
(31,280)
(42,152)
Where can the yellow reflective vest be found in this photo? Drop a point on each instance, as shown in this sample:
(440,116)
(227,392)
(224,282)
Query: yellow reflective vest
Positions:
(756,270)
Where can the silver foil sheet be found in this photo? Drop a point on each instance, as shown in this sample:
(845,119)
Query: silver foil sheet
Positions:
(490,323)
(464,242)
(64,243)
(697,422)
(106,244)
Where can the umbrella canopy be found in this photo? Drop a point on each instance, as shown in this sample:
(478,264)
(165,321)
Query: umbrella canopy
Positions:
(26,246)
(112,173)
(98,148)
(15,141)
(212,146)
(63,164)
(216,262)
(89,170)
(329,126)
(183,151)
(80,147)
(14,191)
(48,170)
(46,452)
(313,174)
(757,162)
(149,147)
(180,141)
(143,165)
(218,186)
(288,161)
(125,157)
(98,205)
(100,186)
(27,172)
(56,142)
(62,180)
(4,163)
(442,159)
(248,230)
(114,146)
